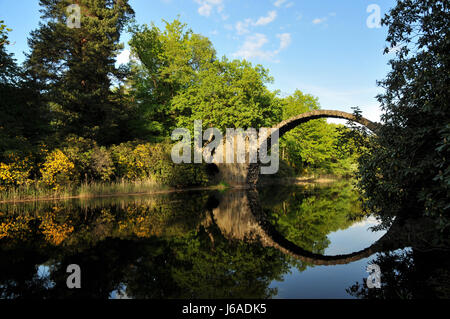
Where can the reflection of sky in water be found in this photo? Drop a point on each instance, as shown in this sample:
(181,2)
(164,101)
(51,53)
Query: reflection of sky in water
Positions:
(355,238)
(331,281)
(119,293)
(321,281)
(43,273)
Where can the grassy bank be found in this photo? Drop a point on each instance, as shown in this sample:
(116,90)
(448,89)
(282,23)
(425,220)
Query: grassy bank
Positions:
(96,189)
(148,186)
(84,190)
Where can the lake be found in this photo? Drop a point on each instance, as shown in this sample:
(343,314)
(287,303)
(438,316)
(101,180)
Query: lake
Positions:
(282,241)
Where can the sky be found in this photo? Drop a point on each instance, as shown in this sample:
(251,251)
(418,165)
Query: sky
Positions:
(332,49)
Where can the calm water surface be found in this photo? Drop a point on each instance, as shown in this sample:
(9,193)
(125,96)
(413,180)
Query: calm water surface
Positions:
(280,242)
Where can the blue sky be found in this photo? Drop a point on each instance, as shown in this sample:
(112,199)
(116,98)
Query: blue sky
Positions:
(322,47)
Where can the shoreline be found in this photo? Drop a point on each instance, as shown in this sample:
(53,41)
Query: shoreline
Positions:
(305,180)
(155,192)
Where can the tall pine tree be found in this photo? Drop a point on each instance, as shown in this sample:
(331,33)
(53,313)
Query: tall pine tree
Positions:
(23,118)
(75,67)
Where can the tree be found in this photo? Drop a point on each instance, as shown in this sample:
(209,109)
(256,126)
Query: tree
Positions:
(228,94)
(178,79)
(313,146)
(23,118)
(75,67)
(168,61)
(407,168)
(7,66)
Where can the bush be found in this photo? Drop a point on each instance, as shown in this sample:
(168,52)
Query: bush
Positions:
(177,175)
(100,164)
(57,169)
(79,151)
(132,160)
(140,161)
(91,161)
(83,160)
(15,173)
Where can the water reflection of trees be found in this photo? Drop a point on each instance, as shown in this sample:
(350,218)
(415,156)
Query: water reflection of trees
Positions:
(307,217)
(188,267)
(158,248)
(409,274)
(190,246)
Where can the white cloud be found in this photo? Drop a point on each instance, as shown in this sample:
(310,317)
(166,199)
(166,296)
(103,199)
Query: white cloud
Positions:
(242,27)
(266,20)
(285,40)
(253,47)
(319,20)
(290,4)
(123,57)
(205,9)
(207,6)
(279,3)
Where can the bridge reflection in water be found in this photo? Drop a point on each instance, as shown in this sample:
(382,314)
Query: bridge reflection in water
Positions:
(236,244)
(239,215)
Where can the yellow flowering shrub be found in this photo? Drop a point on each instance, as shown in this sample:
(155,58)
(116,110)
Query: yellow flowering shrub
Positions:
(140,161)
(134,162)
(55,233)
(138,222)
(16,227)
(16,173)
(57,169)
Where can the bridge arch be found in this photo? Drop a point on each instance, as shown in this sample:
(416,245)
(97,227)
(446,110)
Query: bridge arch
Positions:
(287,125)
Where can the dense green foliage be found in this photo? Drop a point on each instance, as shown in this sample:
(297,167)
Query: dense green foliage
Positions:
(23,117)
(314,146)
(179,79)
(410,274)
(406,170)
(70,116)
(75,67)
(168,62)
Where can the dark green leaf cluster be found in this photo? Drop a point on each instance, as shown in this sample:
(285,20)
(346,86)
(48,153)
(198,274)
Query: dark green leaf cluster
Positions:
(406,170)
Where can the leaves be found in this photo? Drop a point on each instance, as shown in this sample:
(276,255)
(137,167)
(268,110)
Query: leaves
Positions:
(76,67)
(404,170)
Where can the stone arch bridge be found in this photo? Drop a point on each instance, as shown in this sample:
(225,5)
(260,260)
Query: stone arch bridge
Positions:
(248,173)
